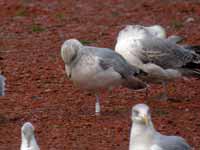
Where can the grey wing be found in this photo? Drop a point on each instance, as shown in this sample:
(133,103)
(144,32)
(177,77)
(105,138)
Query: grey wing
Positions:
(171,143)
(175,38)
(109,58)
(165,53)
(2,84)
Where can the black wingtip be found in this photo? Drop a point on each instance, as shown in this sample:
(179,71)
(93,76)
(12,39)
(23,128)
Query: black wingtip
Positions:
(195,48)
(141,73)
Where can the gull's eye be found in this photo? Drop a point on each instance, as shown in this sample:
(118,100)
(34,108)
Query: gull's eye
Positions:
(136,113)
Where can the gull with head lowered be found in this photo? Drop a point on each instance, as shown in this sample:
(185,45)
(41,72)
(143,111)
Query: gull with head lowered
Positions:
(161,58)
(94,68)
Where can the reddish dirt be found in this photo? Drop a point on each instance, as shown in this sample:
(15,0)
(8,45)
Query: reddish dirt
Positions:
(38,90)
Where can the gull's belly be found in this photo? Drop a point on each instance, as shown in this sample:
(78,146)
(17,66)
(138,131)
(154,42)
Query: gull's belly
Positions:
(155,147)
(141,146)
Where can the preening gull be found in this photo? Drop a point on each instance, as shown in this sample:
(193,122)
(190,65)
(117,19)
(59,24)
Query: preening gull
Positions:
(161,58)
(28,138)
(94,68)
(145,137)
(2,85)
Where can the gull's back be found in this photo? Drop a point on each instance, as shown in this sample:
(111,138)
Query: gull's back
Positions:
(102,67)
(134,42)
(2,85)
(170,143)
(160,51)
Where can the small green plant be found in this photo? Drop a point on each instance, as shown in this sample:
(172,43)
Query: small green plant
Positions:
(21,12)
(177,24)
(60,16)
(26,1)
(119,109)
(56,126)
(115,14)
(87,42)
(161,112)
(37,28)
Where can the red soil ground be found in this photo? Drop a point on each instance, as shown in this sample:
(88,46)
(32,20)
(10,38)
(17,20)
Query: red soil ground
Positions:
(38,90)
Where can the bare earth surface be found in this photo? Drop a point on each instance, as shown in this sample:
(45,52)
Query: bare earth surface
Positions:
(38,90)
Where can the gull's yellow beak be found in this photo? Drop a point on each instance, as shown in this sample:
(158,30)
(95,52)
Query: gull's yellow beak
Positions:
(145,119)
(68,71)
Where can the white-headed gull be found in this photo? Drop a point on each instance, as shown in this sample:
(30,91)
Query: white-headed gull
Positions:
(145,137)
(28,138)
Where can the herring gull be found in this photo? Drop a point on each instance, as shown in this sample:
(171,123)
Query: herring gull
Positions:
(145,137)
(28,138)
(162,59)
(94,68)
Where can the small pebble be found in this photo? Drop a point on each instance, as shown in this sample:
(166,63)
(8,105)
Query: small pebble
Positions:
(190,19)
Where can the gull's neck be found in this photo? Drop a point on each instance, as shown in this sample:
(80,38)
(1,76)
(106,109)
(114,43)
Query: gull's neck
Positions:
(140,134)
(128,44)
(141,127)
(138,129)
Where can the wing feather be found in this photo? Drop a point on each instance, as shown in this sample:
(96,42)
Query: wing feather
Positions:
(165,53)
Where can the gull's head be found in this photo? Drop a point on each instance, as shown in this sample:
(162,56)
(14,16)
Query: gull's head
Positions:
(69,50)
(141,114)
(131,32)
(27,130)
(157,31)
(127,35)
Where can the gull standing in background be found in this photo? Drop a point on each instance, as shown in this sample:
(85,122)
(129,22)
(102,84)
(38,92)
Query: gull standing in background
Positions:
(28,137)
(161,58)
(145,137)
(2,85)
(95,68)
